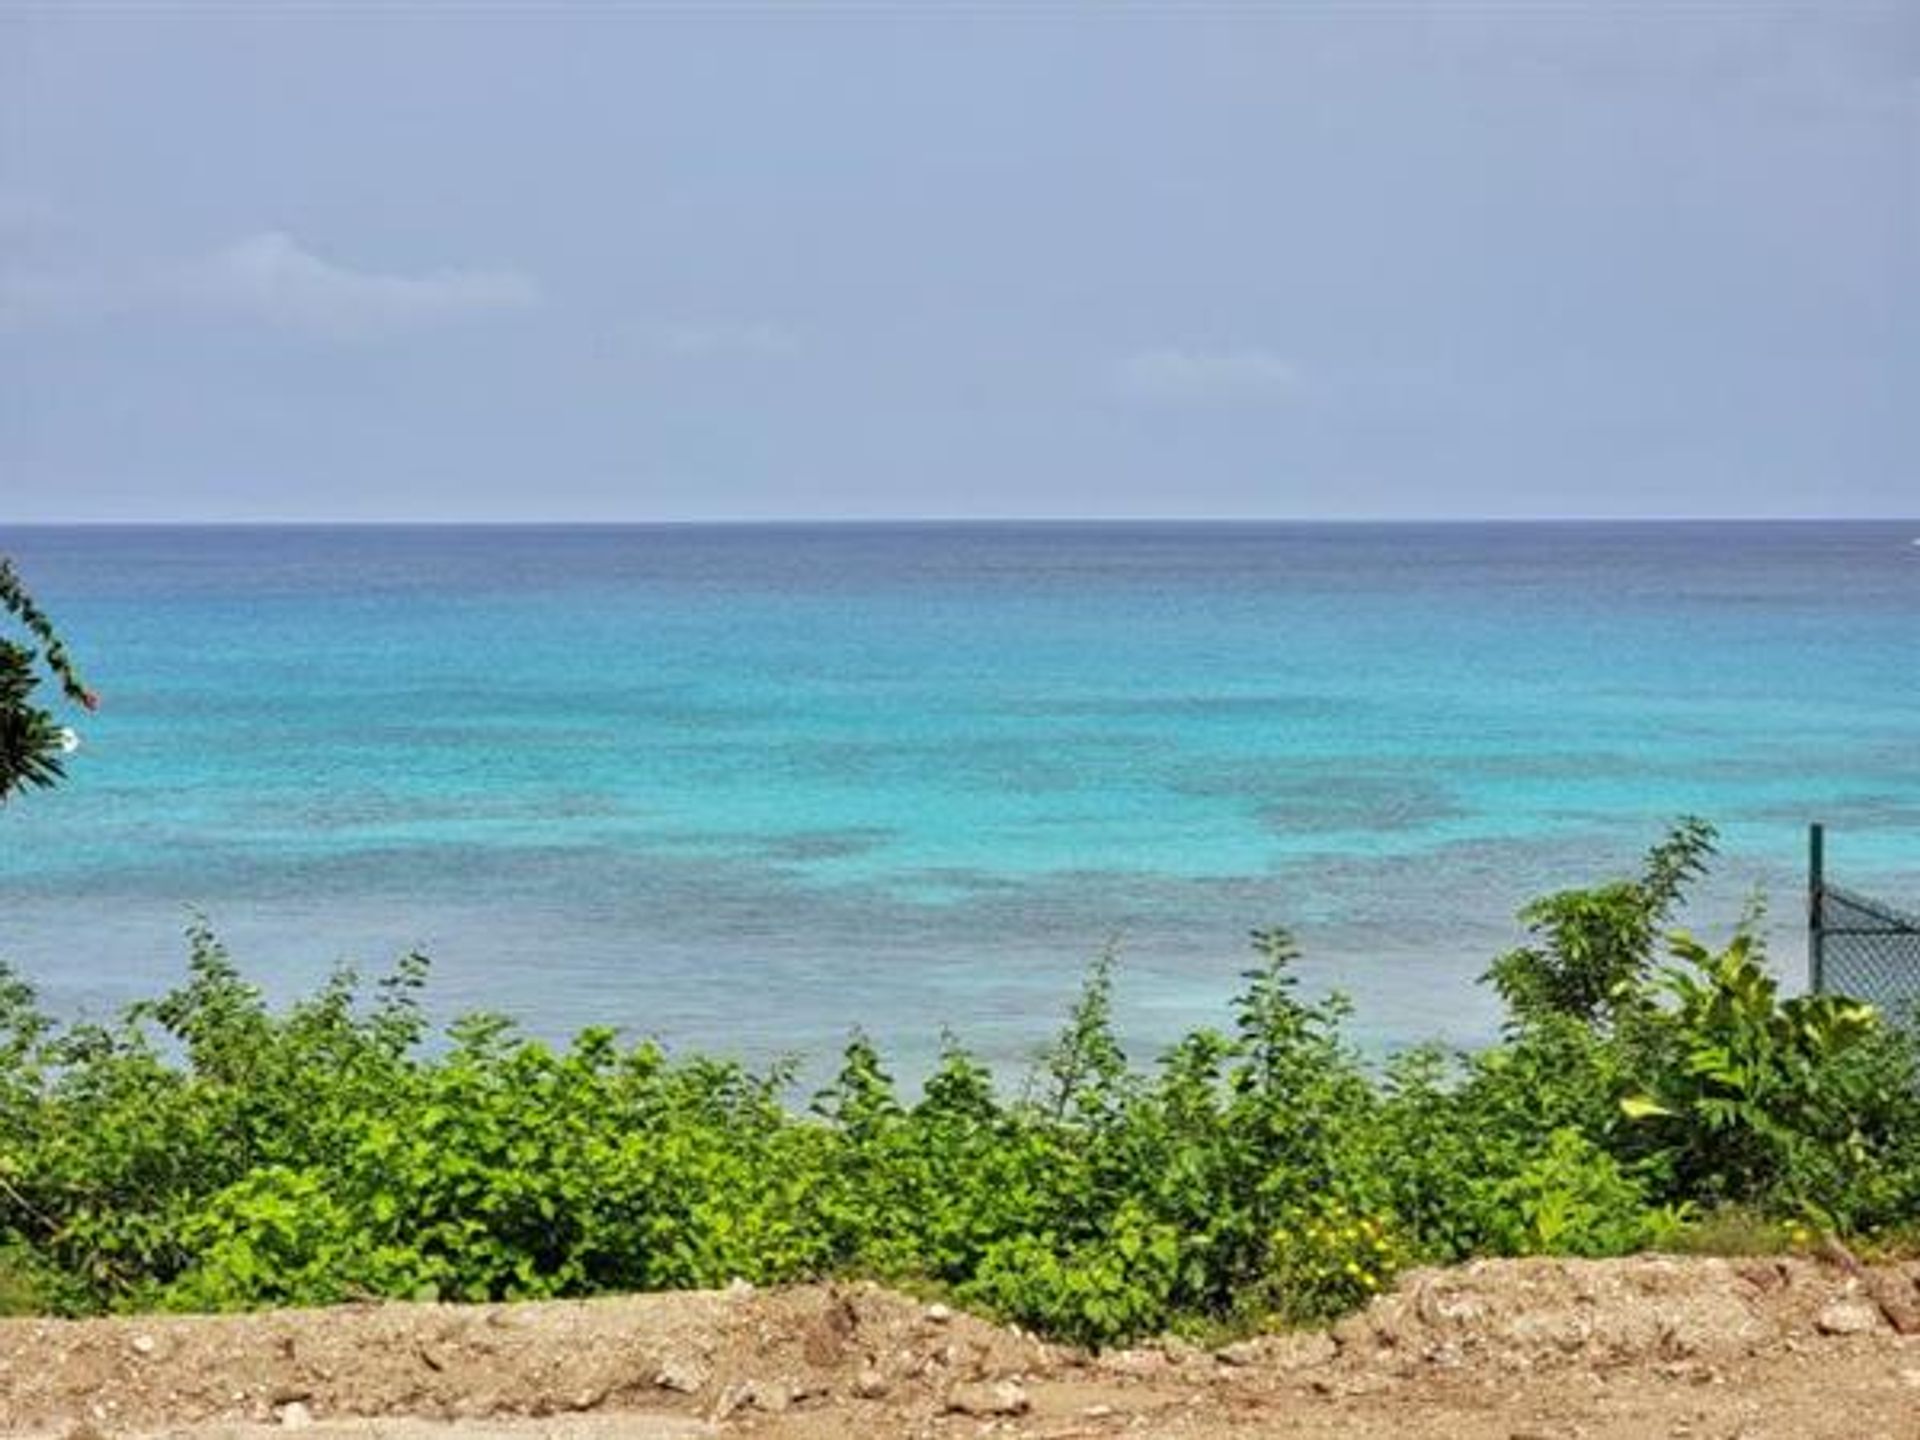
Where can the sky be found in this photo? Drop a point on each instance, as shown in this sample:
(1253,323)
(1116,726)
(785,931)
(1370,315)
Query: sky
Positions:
(630,262)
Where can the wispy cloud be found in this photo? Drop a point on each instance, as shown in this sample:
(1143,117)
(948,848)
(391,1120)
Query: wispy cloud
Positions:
(267,279)
(1171,375)
(272,279)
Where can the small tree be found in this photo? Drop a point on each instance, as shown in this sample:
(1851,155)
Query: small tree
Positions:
(1593,949)
(31,742)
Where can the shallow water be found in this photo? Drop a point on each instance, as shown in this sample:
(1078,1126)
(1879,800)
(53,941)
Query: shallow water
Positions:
(742,786)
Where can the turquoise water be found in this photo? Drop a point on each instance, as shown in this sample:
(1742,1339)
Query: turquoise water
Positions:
(740,786)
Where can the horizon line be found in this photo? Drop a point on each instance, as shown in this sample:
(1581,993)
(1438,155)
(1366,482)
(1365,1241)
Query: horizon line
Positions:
(901,521)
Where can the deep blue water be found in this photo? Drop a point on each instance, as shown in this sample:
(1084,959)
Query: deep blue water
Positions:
(740,786)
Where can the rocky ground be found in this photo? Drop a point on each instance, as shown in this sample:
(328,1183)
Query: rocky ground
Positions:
(1650,1346)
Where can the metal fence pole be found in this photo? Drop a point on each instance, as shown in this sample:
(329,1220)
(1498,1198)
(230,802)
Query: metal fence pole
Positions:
(1816,907)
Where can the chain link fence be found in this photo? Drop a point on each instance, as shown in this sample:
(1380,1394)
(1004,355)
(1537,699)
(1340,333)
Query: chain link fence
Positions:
(1861,947)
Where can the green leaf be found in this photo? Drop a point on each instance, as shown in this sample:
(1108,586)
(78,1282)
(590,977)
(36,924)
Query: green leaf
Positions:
(1642,1107)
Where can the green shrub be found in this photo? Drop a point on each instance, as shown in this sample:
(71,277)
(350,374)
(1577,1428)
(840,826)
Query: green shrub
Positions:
(206,1151)
(1593,948)
(1099,1290)
(1324,1260)
(1736,1230)
(20,1289)
(1755,1098)
(1572,1198)
(31,742)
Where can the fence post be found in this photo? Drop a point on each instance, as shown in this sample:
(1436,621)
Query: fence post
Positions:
(1816,905)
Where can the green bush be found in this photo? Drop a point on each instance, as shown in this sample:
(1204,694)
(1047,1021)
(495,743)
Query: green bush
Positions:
(31,741)
(1324,1260)
(1572,1198)
(206,1151)
(1098,1290)
(1593,948)
(1798,1103)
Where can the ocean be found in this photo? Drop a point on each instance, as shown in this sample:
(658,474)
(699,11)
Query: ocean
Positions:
(743,787)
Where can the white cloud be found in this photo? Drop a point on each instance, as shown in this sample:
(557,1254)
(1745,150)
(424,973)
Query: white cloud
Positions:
(266,279)
(270,278)
(1177,376)
(725,338)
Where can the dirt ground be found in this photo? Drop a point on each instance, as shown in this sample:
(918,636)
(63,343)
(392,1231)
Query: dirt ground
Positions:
(1650,1346)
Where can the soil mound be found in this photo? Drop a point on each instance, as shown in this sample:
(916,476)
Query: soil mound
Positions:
(1620,1312)
(1645,1346)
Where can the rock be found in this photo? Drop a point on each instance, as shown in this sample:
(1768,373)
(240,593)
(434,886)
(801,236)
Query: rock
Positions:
(827,1338)
(1830,1248)
(1002,1397)
(1139,1363)
(938,1314)
(771,1396)
(1899,1301)
(870,1384)
(479,1405)
(1848,1317)
(1297,1351)
(738,1289)
(296,1416)
(1240,1353)
(143,1344)
(1302,1350)
(682,1376)
(1357,1333)
(1765,1277)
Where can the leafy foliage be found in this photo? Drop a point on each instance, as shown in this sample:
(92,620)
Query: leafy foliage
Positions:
(1759,1097)
(206,1151)
(1593,947)
(31,743)
(1325,1260)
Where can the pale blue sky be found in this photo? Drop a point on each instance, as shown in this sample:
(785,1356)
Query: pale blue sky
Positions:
(640,262)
